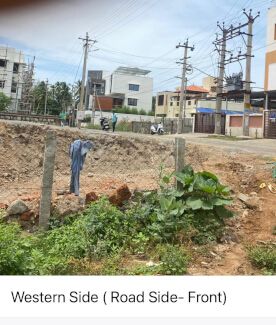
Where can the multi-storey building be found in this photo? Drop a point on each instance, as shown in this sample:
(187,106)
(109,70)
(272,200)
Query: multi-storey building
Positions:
(168,102)
(11,74)
(130,87)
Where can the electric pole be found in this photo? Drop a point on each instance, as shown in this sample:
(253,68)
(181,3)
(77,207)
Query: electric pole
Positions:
(183,91)
(46,97)
(87,42)
(247,88)
(222,53)
(221,44)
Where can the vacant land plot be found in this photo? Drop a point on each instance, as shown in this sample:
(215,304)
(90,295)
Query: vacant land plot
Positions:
(135,161)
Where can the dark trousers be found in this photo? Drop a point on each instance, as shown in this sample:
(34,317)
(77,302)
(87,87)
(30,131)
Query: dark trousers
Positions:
(113,126)
(75,182)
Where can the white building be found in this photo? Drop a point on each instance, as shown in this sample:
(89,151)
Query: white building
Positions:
(134,85)
(11,74)
(270,64)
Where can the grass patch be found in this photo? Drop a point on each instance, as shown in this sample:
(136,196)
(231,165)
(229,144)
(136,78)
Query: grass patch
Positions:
(264,257)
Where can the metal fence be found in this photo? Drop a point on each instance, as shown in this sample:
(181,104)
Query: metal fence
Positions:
(170,126)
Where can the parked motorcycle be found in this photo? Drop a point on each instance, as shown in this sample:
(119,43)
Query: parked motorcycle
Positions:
(104,124)
(157,129)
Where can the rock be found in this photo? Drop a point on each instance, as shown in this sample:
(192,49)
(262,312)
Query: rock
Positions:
(252,202)
(89,175)
(121,195)
(229,237)
(68,204)
(6,175)
(205,265)
(17,207)
(151,264)
(27,216)
(91,197)
(253,194)
(245,214)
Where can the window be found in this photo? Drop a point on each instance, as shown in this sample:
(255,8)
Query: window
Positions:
(133,87)
(15,67)
(161,100)
(132,101)
(14,87)
(3,63)
(189,102)
(171,103)
(177,103)
(2,84)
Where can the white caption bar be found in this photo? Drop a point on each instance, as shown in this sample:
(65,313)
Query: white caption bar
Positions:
(137,296)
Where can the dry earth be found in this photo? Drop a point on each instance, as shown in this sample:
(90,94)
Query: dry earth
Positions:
(135,161)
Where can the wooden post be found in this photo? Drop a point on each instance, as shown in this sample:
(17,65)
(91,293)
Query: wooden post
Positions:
(179,158)
(47,180)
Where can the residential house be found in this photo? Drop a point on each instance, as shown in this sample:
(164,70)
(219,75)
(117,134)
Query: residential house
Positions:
(168,103)
(126,86)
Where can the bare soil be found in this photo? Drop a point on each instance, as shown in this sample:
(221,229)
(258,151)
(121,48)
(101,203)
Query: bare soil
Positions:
(136,161)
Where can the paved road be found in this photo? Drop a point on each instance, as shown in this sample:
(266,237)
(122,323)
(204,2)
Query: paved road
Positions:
(262,147)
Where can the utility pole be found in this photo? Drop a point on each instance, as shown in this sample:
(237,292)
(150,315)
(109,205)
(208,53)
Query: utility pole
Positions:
(87,42)
(46,97)
(219,90)
(247,88)
(183,91)
(221,44)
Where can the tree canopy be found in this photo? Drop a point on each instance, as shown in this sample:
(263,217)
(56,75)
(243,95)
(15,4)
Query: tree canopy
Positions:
(59,97)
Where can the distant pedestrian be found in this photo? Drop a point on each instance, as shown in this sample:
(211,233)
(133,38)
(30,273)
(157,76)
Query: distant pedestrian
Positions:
(114,121)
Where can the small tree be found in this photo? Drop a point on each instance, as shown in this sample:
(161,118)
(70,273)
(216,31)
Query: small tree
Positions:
(5,102)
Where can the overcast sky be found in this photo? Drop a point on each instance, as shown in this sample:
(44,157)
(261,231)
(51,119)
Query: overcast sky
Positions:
(136,33)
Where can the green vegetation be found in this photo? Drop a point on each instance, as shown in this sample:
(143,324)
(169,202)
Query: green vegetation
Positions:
(128,110)
(264,257)
(104,239)
(5,102)
(59,97)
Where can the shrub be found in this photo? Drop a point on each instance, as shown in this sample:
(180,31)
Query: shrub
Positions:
(14,250)
(106,227)
(142,112)
(174,260)
(263,257)
(124,126)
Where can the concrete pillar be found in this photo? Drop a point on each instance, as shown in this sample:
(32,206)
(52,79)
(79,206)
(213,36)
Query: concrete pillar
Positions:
(47,180)
(179,158)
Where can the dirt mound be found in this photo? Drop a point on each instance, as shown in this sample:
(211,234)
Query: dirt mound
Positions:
(115,160)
